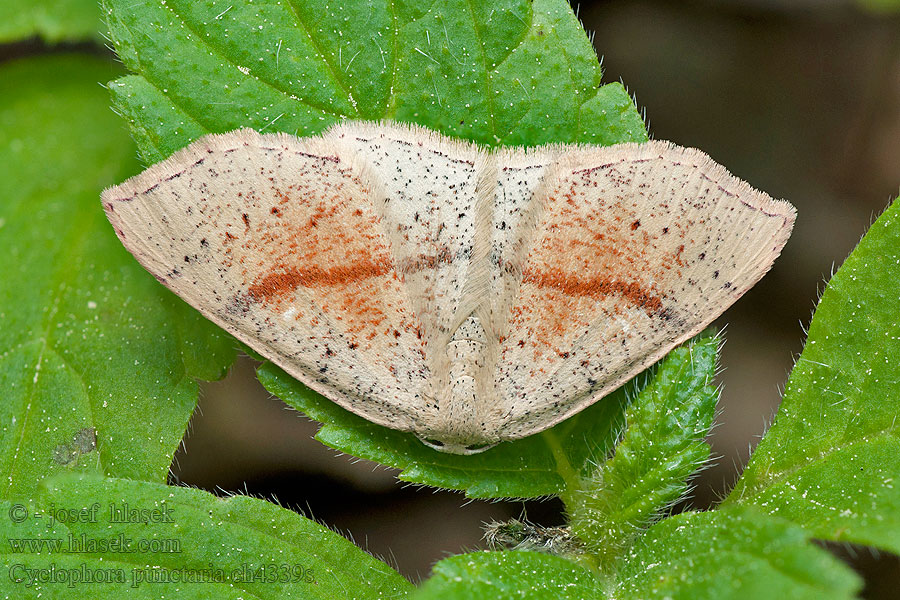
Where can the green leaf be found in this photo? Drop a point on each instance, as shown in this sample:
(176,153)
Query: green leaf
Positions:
(551,462)
(663,445)
(514,72)
(880,6)
(737,553)
(509,575)
(153,541)
(831,460)
(539,465)
(88,340)
(510,72)
(52,20)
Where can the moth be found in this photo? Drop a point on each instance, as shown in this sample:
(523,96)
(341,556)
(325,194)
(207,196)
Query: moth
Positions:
(469,295)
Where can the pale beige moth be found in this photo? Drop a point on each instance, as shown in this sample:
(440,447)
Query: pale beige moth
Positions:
(466,294)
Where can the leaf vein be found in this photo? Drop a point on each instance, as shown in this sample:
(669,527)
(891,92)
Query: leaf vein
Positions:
(291,4)
(222,53)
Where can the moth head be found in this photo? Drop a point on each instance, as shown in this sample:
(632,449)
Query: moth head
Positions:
(457,422)
(457,447)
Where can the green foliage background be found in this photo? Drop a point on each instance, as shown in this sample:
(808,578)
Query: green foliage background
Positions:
(89,341)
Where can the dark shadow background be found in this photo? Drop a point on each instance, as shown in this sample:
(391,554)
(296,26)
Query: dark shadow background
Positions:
(799,97)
